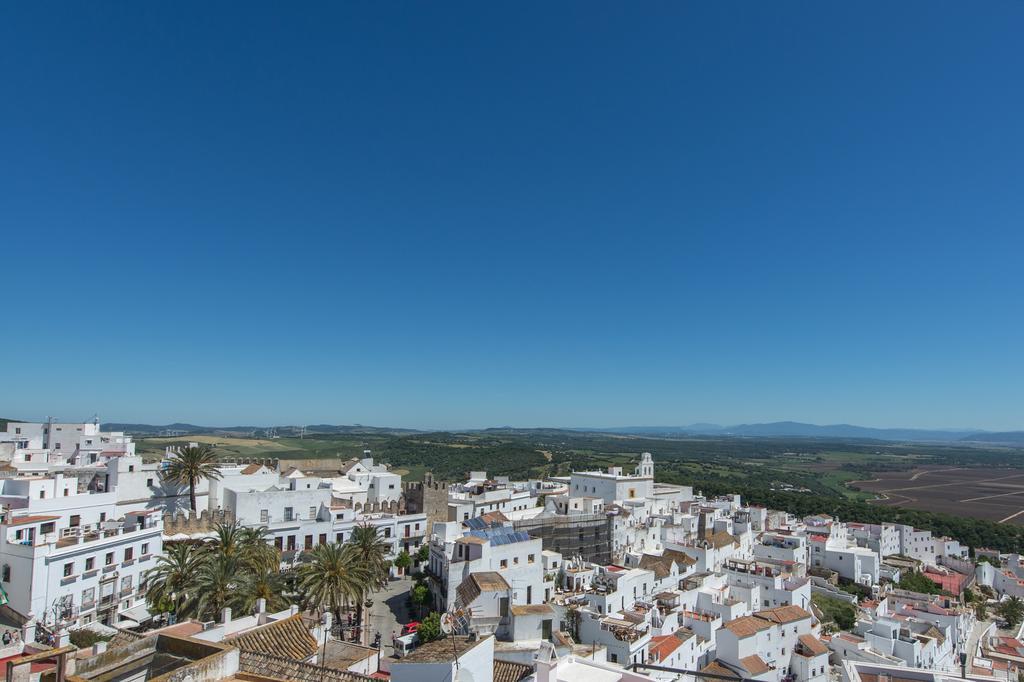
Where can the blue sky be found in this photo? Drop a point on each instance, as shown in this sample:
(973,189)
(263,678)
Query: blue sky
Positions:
(477,214)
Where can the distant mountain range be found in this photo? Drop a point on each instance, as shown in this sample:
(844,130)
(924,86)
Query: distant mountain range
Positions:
(802,430)
(179,428)
(785,429)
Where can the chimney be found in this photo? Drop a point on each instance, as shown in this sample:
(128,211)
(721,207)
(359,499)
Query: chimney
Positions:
(261,606)
(293,609)
(225,615)
(98,648)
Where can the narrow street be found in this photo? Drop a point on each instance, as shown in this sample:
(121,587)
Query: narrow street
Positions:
(388,613)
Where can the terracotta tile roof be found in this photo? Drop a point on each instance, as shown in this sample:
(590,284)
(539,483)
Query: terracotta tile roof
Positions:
(18,520)
(511,672)
(280,668)
(349,466)
(288,637)
(754,665)
(746,626)
(813,645)
(494,517)
(716,668)
(186,629)
(662,565)
(721,539)
(783,614)
(252,469)
(531,610)
(489,581)
(471,540)
(662,647)
(477,583)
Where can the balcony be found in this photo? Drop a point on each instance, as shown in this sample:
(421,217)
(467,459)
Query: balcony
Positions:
(69,537)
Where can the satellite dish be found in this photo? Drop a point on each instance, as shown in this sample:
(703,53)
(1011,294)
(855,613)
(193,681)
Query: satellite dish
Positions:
(448,622)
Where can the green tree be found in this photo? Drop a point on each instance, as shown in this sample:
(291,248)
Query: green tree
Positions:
(373,552)
(191,464)
(423,553)
(915,582)
(403,561)
(430,628)
(840,612)
(420,595)
(247,546)
(1012,611)
(171,582)
(334,577)
(216,583)
(269,585)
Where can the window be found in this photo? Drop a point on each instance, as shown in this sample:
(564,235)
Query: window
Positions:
(129,553)
(42,494)
(109,559)
(504,563)
(149,482)
(312,512)
(90,563)
(417,526)
(103,516)
(126,583)
(391,487)
(515,561)
(88,597)
(145,549)
(530,558)
(69,569)
(5,574)
(288,513)
(387,532)
(131,468)
(264,516)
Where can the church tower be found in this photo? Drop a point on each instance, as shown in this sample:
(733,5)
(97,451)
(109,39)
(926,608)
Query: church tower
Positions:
(646,468)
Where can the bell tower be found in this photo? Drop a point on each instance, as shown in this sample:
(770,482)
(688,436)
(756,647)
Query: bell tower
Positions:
(646,468)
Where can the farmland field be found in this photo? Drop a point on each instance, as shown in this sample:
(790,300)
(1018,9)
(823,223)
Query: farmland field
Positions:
(995,494)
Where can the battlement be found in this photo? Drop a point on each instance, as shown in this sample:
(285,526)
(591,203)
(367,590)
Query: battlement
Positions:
(189,522)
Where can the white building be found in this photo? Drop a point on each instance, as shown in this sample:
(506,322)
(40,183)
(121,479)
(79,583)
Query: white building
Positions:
(458,551)
(774,644)
(73,557)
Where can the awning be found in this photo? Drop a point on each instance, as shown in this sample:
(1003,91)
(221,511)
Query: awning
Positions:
(138,613)
(125,623)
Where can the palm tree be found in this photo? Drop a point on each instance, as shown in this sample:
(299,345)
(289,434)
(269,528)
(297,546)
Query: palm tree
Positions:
(373,551)
(216,583)
(269,585)
(172,581)
(333,577)
(191,464)
(248,546)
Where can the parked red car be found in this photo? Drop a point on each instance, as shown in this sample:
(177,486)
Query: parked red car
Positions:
(410,628)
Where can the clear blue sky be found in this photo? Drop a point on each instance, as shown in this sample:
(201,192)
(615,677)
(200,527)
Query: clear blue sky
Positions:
(477,214)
